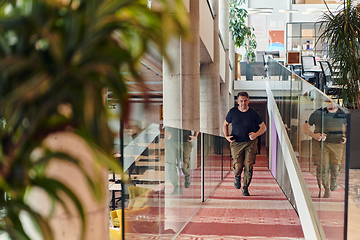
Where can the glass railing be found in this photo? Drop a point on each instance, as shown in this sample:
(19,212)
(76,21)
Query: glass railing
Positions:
(252,70)
(168,172)
(216,152)
(257,70)
(315,126)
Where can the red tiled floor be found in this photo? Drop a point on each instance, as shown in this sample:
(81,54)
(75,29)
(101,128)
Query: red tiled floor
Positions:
(266,214)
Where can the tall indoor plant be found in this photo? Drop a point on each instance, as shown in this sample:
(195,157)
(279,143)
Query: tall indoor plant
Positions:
(242,34)
(341,29)
(56,58)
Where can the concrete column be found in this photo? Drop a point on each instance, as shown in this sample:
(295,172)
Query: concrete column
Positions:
(190,64)
(181,84)
(210,86)
(172,98)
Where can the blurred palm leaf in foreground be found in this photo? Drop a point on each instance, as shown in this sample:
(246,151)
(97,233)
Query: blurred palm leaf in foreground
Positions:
(56,59)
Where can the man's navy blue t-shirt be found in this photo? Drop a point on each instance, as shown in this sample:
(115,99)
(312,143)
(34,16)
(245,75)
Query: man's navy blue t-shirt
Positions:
(243,123)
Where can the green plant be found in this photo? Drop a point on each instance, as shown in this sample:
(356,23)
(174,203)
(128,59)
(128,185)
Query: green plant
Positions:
(61,54)
(242,34)
(341,29)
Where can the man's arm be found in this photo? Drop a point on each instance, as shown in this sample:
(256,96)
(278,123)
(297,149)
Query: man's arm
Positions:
(344,133)
(261,131)
(192,138)
(226,132)
(316,136)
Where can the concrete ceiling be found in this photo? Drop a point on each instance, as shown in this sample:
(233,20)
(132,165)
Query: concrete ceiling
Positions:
(150,68)
(152,85)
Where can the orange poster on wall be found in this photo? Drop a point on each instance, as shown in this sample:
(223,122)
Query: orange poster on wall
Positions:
(276,40)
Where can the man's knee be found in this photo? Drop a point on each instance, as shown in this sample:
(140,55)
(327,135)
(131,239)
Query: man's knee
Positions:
(335,168)
(237,168)
(251,152)
(250,160)
(186,168)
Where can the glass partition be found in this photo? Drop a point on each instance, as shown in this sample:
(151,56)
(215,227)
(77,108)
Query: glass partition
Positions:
(216,162)
(316,129)
(252,70)
(226,158)
(163,169)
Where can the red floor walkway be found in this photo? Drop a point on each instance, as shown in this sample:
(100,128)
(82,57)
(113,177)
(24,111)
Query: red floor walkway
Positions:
(266,214)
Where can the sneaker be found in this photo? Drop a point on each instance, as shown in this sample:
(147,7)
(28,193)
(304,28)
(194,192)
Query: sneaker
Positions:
(327,193)
(245,191)
(333,185)
(187,181)
(237,182)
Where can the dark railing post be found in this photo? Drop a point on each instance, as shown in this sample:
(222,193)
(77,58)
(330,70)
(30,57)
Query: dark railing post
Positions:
(202,168)
(347,169)
(230,158)
(222,157)
(122,175)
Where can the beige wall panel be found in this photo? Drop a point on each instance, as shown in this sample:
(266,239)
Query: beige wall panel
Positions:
(222,63)
(206,27)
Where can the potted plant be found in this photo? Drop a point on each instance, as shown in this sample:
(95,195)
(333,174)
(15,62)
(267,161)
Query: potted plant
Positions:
(242,34)
(341,30)
(56,59)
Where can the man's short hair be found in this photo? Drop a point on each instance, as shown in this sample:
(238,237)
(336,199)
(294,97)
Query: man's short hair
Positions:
(243,94)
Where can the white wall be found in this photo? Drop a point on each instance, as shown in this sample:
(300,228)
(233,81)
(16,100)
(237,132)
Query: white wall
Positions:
(302,8)
(222,63)
(264,23)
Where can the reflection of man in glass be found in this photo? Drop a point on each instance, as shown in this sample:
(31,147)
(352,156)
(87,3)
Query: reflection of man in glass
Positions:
(327,144)
(178,148)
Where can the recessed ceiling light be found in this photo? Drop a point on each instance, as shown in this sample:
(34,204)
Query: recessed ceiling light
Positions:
(262,11)
(288,11)
(265,9)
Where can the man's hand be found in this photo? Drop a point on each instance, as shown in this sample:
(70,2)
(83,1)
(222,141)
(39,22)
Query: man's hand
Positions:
(344,140)
(229,138)
(319,136)
(191,138)
(167,135)
(323,136)
(252,136)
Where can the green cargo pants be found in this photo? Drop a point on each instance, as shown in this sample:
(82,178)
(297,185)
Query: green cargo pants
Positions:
(244,154)
(177,156)
(327,156)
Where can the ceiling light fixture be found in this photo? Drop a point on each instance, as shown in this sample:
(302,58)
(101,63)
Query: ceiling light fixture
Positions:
(288,11)
(262,11)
